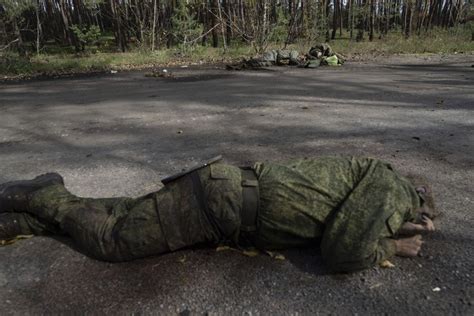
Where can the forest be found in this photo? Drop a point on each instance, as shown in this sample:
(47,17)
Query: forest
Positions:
(32,29)
(32,25)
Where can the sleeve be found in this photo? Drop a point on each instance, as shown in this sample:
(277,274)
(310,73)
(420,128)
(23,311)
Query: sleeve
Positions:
(346,247)
(358,234)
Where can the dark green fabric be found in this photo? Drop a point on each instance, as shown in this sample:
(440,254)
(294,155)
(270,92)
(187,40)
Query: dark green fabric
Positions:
(353,207)
(13,224)
(320,50)
(351,204)
(312,63)
(119,229)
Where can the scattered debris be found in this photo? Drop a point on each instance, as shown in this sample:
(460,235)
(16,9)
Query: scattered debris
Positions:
(318,55)
(113,71)
(182,259)
(251,252)
(159,73)
(436,289)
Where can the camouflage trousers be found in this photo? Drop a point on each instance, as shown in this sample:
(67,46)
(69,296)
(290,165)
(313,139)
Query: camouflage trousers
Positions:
(202,207)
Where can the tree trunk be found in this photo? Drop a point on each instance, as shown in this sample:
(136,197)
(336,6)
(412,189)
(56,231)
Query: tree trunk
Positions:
(221,22)
(408,20)
(214,13)
(371,20)
(341,20)
(153,33)
(119,34)
(20,47)
(229,19)
(334,19)
(65,22)
(360,25)
(350,18)
(328,4)
(38,27)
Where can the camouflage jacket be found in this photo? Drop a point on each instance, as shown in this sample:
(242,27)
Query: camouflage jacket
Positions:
(352,206)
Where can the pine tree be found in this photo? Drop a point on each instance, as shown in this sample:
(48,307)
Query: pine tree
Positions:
(185,28)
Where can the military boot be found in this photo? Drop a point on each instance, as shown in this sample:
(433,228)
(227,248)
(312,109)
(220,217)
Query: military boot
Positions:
(14,195)
(13,225)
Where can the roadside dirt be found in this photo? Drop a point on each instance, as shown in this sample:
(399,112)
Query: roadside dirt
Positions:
(119,134)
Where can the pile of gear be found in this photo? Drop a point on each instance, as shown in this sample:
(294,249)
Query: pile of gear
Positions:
(319,55)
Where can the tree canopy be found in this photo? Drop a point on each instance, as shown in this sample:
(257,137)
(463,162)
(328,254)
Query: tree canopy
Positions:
(163,23)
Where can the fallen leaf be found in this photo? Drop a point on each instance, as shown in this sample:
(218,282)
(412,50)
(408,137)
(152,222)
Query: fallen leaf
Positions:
(223,248)
(276,255)
(6,242)
(387,264)
(375,285)
(250,253)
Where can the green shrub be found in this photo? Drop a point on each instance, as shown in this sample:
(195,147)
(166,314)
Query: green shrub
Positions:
(86,35)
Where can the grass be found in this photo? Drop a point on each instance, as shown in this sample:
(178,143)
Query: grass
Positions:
(70,63)
(59,62)
(456,40)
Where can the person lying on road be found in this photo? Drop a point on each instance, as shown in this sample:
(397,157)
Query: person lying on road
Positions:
(360,211)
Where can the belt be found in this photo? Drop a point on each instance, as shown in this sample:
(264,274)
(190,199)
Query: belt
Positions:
(250,200)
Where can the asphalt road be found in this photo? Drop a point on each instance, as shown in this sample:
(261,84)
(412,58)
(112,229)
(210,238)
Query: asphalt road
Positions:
(119,134)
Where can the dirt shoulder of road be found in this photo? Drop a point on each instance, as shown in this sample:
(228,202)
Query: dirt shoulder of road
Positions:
(379,58)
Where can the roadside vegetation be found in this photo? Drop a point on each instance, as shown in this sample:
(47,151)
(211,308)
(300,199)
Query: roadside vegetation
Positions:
(60,37)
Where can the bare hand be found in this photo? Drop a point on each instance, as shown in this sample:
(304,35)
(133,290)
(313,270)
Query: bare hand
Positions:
(425,226)
(409,247)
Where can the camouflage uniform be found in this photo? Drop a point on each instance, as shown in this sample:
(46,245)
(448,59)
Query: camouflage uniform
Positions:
(322,54)
(119,229)
(269,58)
(352,207)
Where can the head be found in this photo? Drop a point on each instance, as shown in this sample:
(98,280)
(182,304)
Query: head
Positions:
(427,208)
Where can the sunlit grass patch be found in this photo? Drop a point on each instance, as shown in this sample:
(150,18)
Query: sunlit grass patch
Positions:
(455,40)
